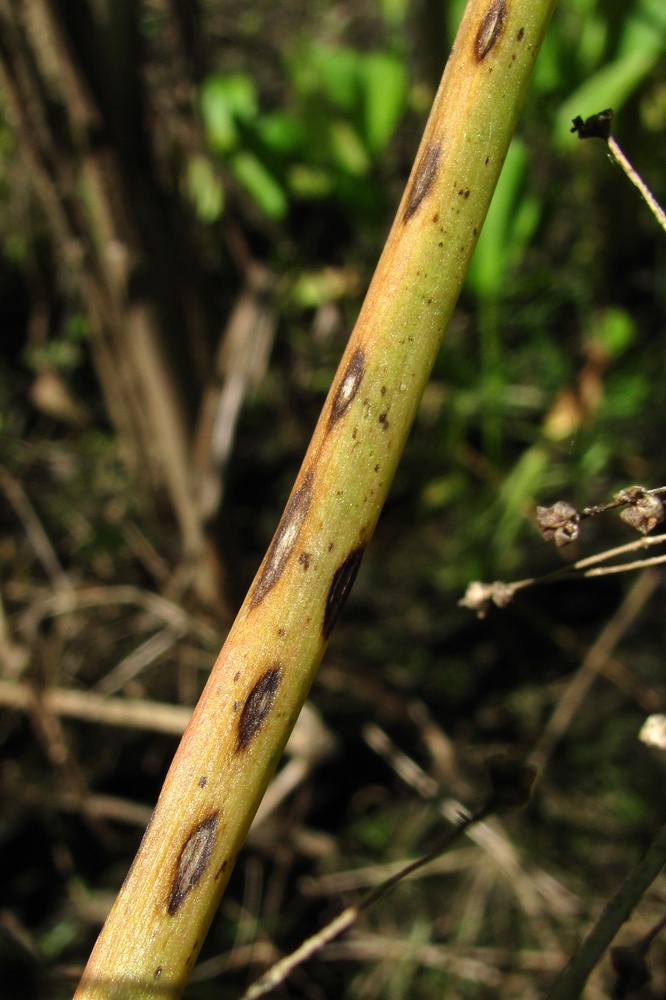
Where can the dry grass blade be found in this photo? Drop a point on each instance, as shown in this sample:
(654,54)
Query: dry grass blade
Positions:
(279,972)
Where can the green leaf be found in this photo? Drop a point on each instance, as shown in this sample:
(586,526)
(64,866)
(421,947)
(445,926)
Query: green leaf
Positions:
(281,132)
(260,184)
(204,189)
(307,181)
(510,223)
(223,102)
(337,74)
(385,94)
(347,149)
(615,329)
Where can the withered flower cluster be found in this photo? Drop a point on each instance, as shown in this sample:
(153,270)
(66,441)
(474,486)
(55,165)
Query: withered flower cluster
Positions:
(643,510)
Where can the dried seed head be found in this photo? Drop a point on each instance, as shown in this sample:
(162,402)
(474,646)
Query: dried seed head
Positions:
(645,512)
(653,731)
(479,595)
(559,523)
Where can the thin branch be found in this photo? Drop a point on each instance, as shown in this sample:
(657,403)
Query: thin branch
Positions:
(599,127)
(570,983)
(279,972)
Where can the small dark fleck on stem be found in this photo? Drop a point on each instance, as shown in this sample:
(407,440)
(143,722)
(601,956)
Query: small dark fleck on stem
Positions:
(341,585)
(520,35)
(258,705)
(426,173)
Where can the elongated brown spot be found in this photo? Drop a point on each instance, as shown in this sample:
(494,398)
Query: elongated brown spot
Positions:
(348,386)
(425,178)
(192,861)
(284,540)
(341,585)
(258,705)
(490,29)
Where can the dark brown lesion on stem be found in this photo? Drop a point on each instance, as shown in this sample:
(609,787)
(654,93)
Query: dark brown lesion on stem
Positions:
(341,585)
(348,386)
(423,181)
(258,706)
(490,29)
(192,861)
(284,541)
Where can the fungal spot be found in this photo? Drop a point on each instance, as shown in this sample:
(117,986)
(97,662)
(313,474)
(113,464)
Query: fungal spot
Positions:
(192,861)
(520,35)
(258,706)
(487,160)
(222,868)
(158,972)
(426,172)
(203,781)
(383,419)
(304,560)
(348,386)
(467,193)
(237,677)
(284,540)
(435,217)
(236,706)
(383,390)
(331,546)
(341,585)
(490,29)
(281,633)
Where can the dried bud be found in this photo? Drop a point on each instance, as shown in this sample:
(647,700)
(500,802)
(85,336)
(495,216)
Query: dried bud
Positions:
(631,494)
(558,523)
(653,731)
(645,512)
(479,595)
(477,598)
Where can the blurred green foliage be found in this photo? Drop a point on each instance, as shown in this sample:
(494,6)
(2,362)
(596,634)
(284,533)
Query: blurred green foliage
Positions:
(342,110)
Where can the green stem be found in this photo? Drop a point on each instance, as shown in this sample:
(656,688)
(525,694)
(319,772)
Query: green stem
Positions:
(151,939)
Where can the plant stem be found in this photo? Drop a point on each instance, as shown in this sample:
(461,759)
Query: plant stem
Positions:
(151,939)
(574,976)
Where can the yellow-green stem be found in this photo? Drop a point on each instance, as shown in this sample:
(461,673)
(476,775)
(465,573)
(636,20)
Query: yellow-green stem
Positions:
(153,934)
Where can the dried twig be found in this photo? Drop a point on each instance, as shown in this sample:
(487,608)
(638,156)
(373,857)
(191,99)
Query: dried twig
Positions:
(570,983)
(599,127)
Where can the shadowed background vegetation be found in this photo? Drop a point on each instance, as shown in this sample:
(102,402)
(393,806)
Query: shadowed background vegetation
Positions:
(193,198)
